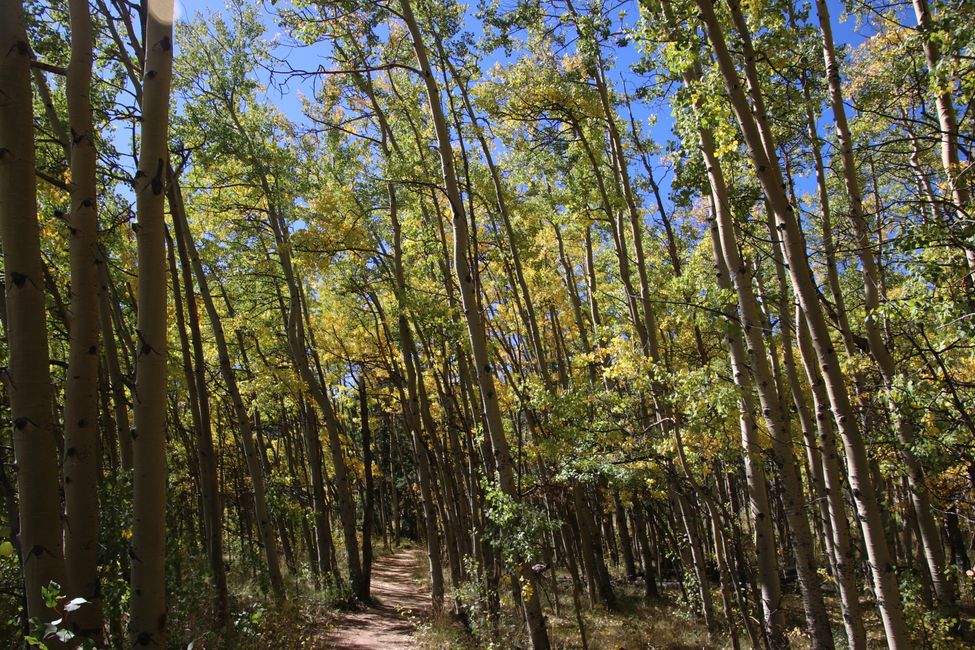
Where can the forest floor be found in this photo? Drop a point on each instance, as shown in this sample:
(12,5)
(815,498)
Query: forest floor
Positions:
(400,618)
(399,602)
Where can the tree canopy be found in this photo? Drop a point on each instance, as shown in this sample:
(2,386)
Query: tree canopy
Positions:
(650,323)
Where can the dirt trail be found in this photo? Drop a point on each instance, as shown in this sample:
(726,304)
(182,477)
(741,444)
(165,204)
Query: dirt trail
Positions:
(387,625)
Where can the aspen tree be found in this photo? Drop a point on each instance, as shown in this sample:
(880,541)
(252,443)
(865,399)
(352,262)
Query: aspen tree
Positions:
(27,380)
(147,608)
(229,374)
(904,426)
(759,142)
(206,454)
(80,399)
(764,536)
(534,615)
(948,130)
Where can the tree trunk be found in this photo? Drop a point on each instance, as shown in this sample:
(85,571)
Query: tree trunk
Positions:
(903,425)
(28,383)
(948,130)
(264,525)
(116,382)
(368,507)
(206,455)
(147,607)
(80,464)
(534,615)
(770,177)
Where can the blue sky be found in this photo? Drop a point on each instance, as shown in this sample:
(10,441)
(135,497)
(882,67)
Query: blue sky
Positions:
(288,99)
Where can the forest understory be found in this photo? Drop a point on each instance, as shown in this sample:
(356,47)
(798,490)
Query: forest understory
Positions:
(510,324)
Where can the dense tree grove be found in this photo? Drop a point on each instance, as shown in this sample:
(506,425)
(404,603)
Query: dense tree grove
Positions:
(652,316)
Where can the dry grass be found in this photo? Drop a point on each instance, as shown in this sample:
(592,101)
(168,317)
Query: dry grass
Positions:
(636,624)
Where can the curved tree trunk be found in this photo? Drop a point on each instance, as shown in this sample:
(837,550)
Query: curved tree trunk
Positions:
(770,176)
(534,615)
(229,374)
(948,131)
(903,424)
(206,455)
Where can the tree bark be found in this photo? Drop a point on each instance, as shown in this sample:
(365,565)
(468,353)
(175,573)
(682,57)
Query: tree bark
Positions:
(28,383)
(264,525)
(770,176)
(368,507)
(534,615)
(80,465)
(903,425)
(948,131)
(147,607)
(206,455)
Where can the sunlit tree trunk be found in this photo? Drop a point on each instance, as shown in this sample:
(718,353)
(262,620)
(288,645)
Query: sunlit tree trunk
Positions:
(147,607)
(764,536)
(904,426)
(80,392)
(843,549)
(770,176)
(28,383)
(534,615)
(948,129)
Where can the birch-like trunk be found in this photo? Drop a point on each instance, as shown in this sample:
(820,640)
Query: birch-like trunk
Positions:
(28,382)
(534,615)
(770,176)
(147,607)
(80,465)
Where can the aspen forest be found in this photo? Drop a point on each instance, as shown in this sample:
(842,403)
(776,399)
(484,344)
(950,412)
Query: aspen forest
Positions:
(513,324)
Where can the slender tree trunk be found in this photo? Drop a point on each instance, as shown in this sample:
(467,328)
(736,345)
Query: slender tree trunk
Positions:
(843,549)
(904,427)
(770,176)
(754,471)
(28,383)
(264,525)
(206,455)
(699,562)
(147,607)
(948,129)
(591,549)
(116,382)
(646,553)
(323,528)
(368,508)
(412,406)
(80,465)
(534,615)
(626,542)
(297,343)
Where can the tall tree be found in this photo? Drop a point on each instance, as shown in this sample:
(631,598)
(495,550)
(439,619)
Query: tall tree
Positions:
(80,393)
(534,615)
(28,383)
(760,142)
(147,609)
